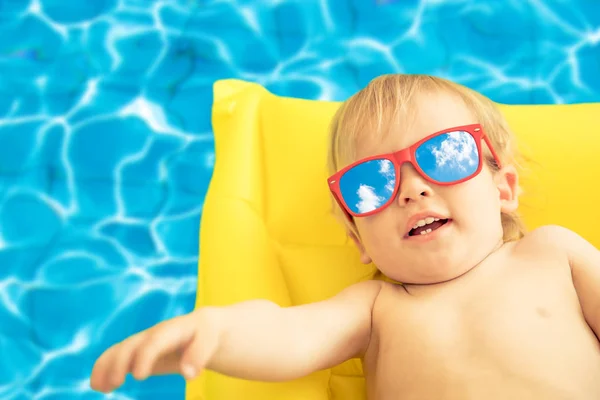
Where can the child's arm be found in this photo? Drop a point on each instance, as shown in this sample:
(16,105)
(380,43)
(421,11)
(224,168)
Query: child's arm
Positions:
(263,341)
(584,260)
(252,340)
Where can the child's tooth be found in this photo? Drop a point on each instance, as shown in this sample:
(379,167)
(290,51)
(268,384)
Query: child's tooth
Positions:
(428,230)
(424,232)
(421,223)
(436,219)
(429,220)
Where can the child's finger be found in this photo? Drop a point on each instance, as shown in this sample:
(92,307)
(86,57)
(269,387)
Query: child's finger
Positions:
(197,353)
(123,358)
(99,379)
(110,369)
(165,338)
(193,358)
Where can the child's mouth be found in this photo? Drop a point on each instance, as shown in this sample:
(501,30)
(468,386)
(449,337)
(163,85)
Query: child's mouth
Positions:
(424,230)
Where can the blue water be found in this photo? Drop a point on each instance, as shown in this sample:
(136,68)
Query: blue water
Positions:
(106,148)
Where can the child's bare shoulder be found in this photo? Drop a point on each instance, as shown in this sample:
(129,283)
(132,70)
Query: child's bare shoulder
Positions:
(367,293)
(549,241)
(360,293)
(554,235)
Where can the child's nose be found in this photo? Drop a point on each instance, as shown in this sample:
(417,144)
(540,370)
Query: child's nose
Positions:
(413,187)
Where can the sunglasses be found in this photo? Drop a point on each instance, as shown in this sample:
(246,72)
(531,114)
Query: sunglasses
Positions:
(444,158)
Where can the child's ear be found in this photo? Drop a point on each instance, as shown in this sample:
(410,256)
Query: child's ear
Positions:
(364,257)
(507,183)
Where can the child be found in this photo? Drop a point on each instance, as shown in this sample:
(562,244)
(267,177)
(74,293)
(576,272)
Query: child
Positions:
(424,172)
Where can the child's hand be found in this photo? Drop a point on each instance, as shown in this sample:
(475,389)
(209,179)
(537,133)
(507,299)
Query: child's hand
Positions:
(181,345)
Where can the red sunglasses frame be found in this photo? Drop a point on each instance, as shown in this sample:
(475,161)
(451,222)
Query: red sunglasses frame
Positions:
(400,157)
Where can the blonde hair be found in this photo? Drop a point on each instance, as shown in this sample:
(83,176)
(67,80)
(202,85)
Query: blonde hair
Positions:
(386,99)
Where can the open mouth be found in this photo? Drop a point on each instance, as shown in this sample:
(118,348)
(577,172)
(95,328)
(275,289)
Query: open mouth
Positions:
(428,228)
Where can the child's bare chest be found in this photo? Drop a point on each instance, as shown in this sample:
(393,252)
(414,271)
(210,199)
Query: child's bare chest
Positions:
(518,333)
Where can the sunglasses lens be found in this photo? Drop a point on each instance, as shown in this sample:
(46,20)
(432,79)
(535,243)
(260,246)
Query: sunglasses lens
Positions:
(449,157)
(369,185)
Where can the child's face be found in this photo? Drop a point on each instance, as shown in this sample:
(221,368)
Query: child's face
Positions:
(472,208)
